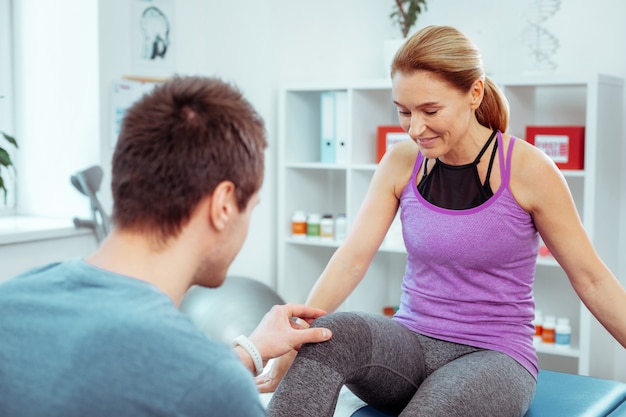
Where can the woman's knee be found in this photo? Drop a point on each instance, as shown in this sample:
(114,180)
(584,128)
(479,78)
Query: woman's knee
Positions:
(361,338)
(350,336)
(366,330)
(340,321)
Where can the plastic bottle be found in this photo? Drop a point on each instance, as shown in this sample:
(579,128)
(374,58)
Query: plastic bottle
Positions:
(538,322)
(340,226)
(548,334)
(563,333)
(326,227)
(298,224)
(389,311)
(313,226)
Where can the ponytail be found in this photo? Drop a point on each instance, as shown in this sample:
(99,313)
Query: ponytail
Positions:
(493,112)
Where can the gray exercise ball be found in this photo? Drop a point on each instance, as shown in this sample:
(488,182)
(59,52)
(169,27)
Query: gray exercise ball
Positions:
(234,308)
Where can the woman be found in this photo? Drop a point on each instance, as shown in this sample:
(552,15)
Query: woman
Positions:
(474,201)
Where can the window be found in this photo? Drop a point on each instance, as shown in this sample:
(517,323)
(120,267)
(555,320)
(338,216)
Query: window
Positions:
(6,99)
(56,109)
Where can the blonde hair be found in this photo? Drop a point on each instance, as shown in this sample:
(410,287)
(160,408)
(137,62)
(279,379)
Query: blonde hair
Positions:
(445,51)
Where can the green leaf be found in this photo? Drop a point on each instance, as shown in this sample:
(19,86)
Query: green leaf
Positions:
(10,139)
(406,17)
(5,159)
(4,189)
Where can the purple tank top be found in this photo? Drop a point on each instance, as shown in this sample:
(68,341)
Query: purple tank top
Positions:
(470,273)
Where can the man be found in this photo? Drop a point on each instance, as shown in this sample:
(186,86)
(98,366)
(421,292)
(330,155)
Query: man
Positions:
(103,336)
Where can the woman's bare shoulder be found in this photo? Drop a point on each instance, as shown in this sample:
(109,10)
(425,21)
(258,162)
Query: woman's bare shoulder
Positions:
(531,171)
(397,164)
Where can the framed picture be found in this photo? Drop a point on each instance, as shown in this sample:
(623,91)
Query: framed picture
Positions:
(153,33)
(565,145)
(124,93)
(387,137)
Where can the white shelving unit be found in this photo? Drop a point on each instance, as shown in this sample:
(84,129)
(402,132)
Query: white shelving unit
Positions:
(306,184)
(303,183)
(597,103)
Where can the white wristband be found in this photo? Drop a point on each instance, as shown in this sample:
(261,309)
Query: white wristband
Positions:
(249,347)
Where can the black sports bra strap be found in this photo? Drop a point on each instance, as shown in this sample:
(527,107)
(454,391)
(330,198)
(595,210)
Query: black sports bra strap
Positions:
(477,160)
(493,156)
(484,149)
(425,168)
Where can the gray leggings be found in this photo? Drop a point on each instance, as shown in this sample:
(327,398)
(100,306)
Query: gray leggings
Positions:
(401,373)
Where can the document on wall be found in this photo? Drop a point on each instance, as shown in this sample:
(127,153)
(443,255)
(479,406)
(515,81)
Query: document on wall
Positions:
(123,94)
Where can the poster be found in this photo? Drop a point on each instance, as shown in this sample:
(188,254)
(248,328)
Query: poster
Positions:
(123,94)
(153,51)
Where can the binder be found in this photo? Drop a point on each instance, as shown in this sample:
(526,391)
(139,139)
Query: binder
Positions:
(327,125)
(341,127)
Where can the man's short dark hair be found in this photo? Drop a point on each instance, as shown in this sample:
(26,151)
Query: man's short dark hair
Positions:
(176,144)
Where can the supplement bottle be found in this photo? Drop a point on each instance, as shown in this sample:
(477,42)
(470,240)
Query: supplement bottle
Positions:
(548,334)
(326,227)
(313,226)
(563,333)
(340,226)
(298,224)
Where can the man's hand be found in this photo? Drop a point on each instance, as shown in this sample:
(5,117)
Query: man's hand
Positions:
(285,328)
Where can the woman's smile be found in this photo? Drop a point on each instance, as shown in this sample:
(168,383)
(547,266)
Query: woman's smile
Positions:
(426,142)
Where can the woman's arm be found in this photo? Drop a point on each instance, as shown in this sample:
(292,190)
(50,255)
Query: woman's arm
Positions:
(541,189)
(350,262)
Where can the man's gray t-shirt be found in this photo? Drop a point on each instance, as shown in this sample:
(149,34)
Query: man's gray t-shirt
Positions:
(76,340)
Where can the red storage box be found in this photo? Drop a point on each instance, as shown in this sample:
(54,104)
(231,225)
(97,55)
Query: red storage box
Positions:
(565,145)
(387,137)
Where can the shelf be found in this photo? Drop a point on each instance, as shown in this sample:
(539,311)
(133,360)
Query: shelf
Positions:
(335,244)
(319,165)
(315,165)
(546,349)
(392,249)
(319,86)
(594,101)
(573,173)
(547,261)
(312,242)
(539,81)
(364,167)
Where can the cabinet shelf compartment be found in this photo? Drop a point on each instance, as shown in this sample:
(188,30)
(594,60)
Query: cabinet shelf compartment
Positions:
(554,296)
(381,285)
(305,263)
(314,191)
(302,134)
(545,105)
(371,108)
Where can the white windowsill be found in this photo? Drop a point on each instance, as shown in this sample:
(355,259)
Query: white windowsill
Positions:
(20,229)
